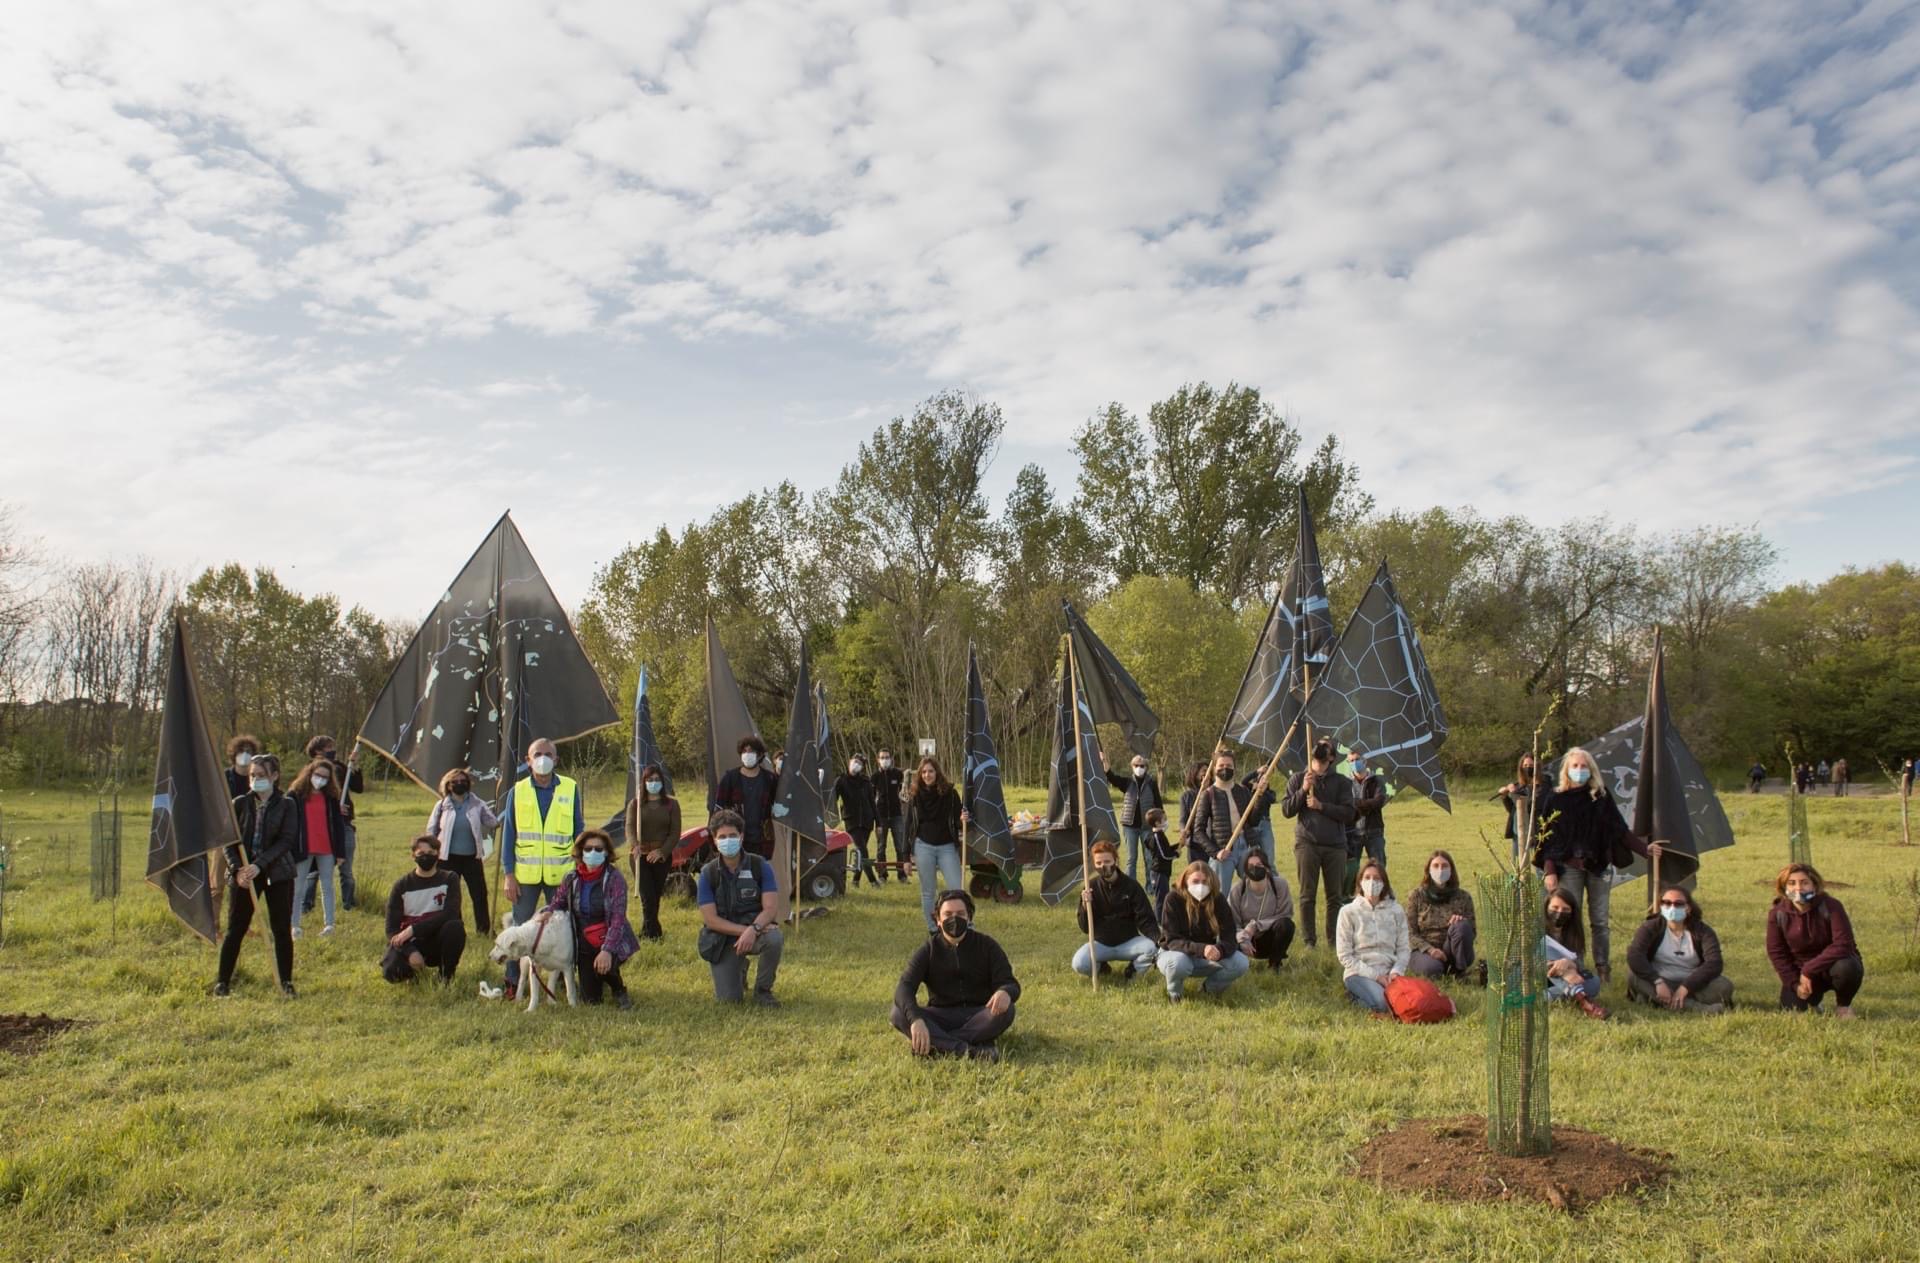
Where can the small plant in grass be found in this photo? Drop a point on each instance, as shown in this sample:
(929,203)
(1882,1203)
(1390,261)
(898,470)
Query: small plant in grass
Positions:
(1905,893)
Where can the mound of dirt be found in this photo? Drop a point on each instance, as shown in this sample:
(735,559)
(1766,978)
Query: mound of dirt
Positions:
(24,1033)
(1448,1157)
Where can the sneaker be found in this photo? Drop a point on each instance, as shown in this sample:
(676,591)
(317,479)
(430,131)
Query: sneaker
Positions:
(1129,972)
(1597,1012)
(1175,997)
(623,1002)
(286,989)
(1106,969)
(983,1052)
(766,1000)
(1480,974)
(298,934)
(326,931)
(1702,1007)
(1845,1013)
(1604,973)
(221,991)
(490,992)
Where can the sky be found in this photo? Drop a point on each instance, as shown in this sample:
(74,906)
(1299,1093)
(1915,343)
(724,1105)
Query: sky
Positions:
(329,287)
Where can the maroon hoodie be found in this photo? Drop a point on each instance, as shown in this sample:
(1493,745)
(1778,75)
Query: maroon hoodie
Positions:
(1808,944)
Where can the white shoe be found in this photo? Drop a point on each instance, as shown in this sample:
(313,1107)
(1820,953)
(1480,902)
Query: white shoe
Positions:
(326,931)
(490,993)
(298,933)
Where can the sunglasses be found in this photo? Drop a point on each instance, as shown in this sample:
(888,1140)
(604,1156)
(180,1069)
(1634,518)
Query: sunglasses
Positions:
(1673,903)
(593,850)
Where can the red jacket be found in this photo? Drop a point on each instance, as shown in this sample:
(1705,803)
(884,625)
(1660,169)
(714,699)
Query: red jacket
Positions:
(1809,943)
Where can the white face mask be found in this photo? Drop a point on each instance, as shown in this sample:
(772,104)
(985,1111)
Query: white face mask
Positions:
(1440,873)
(319,782)
(1139,769)
(1200,890)
(1372,887)
(885,763)
(749,759)
(543,765)
(240,762)
(856,767)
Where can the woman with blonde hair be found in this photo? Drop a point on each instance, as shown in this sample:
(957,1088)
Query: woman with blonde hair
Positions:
(462,821)
(1197,935)
(1578,837)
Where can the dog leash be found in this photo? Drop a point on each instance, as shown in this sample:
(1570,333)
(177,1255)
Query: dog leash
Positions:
(534,969)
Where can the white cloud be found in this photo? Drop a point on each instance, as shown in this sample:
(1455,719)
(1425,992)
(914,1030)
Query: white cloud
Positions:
(1453,233)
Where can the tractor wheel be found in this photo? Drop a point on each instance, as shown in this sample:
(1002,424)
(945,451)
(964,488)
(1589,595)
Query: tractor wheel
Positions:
(680,886)
(825,883)
(983,886)
(1012,893)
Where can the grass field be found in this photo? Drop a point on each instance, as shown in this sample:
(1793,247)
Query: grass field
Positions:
(364,1121)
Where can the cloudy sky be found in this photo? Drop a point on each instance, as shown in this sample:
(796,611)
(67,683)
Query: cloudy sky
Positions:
(329,286)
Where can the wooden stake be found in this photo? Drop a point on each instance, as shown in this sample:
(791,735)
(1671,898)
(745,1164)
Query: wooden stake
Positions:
(1080,795)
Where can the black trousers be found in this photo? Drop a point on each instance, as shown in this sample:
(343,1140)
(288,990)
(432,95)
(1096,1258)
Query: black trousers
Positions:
(473,871)
(652,880)
(278,896)
(865,863)
(1271,944)
(593,983)
(440,946)
(954,1030)
(1843,978)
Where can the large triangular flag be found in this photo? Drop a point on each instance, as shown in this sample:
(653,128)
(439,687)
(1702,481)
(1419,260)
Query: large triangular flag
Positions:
(494,666)
(192,814)
(826,736)
(798,803)
(989,830)
(1075,778)
(1111,693)
(1660,811)
(1376,695)
(642,752)
(728,718)
(1295,644)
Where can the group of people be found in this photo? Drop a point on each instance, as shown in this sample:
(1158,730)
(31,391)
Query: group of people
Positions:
(1228,909)
(1806,776)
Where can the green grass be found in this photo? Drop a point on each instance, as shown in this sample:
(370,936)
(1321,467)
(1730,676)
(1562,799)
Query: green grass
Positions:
(375,1122)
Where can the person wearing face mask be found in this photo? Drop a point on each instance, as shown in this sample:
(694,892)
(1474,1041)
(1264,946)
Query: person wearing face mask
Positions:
(970,988)
(1198,936)
(936,822)
(853,799)
(1579,834)
(262,867)
(595,893)
(1160,856)
(1319,801)
(1217,809)
(1675,958)
(463,823)
(888,805)
(1440,921)
(1518,796)
(1263,906)
(240,752)
(423,917)
(316,803)
(1141,794)
(1562,947)
(1810,944)
(1371,939)
(739,899)
(653,828)
(1124,927)
(1368,833)
(348,780)
(545,813)
(748,791)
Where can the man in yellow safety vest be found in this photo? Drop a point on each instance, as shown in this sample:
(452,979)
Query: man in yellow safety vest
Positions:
(545,812)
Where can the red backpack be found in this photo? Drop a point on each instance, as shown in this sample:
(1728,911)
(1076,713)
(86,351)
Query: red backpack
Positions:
(1418,1000)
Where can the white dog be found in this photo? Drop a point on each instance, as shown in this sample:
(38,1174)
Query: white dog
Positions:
(538,946)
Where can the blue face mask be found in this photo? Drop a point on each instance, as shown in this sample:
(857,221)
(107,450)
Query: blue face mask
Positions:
(593,859)
(728,847)
(1673,914)
(261,785)
(654,787)
(1579,775)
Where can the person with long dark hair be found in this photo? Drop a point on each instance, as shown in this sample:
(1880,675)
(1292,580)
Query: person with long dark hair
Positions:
(1564,946)
(1580,834)
(1675,958)
(653,830)
(595,893)
(462,821)
(1198,937)
(1440,921)
(240,752)
(1519,795)
(262,868)
(1262,903)
(322,830)
(936,820)
(1810,943)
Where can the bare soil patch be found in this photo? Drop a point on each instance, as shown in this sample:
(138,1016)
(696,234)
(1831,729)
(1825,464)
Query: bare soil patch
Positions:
(1448,1157)
(26,1034)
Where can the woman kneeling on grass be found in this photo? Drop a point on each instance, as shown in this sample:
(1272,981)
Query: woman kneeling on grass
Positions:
(1810,942)
(1371,939)
(1440,921)
(596,894)
(1197,937)
(1563,945)
(1675,958)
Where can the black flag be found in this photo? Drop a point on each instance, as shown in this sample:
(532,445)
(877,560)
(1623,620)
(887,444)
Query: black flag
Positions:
(494,666)
(728,718)
(798,803)
(641,752)
(1376,695)
(1111,693)
(989,831)
(1660,811)
(826,736)
(1075,762)
(1299,630)
(1617,756)
(192,814)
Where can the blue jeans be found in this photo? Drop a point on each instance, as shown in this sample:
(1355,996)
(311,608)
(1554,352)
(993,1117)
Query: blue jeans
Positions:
(349,842)
(1139,949)
(1216,976)
(1595,892)
(1132,838)
(1561,989)
(926,858)
(323,866)
(1223,870)
(1367,993)
(1260,835)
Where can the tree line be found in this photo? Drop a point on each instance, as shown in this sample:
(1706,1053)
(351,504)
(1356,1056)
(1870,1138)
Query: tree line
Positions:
(1172,539)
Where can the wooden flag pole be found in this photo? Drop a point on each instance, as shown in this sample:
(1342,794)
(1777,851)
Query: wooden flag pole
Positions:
(1246,813)
(1080,795)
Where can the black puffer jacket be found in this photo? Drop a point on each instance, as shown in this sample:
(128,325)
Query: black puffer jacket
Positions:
(278,853)
(1325,825)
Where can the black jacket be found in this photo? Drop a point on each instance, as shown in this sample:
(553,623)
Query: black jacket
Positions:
(1646,941)
(957,976)
(1576,829)
(886,792)
(1121,911)
(278,854)
(336,827)
(853,798)
(1368,802)
(1326,825)
(1176,935)
(1142,796)
(934,818)
(1215,815)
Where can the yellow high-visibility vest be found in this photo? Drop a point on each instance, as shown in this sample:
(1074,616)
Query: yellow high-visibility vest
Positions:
(543,845)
